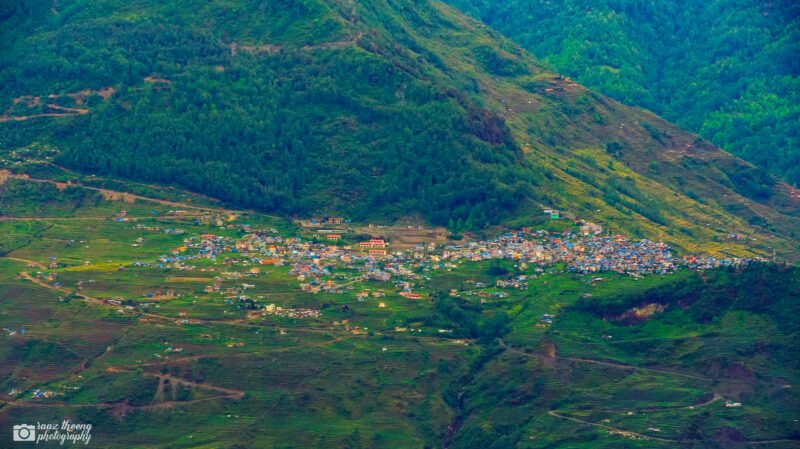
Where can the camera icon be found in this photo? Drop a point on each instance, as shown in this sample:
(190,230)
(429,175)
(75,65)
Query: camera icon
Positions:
(24,432)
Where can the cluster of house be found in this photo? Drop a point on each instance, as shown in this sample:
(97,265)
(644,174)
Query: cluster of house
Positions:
(519,282)
(706,263)
(331,220)
(166,231)
(121,217)
(545,321)
(44,394)
(272,309)
(582,253)
(11,332)
(170,349)
(326,267)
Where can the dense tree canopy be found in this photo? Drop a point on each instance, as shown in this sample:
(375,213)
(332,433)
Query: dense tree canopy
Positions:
(728,69)
(289,113)
(375,110)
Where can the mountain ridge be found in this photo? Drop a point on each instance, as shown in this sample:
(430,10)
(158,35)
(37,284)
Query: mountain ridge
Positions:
(377,110)
(725,69)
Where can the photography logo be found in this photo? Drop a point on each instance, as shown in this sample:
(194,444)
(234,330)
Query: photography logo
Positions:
(61,433)
(24,432)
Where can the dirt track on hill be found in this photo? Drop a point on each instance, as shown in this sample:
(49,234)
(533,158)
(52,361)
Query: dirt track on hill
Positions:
(715,398)
(628,433)
(116,195)
(235,47)
(640,368)
(225,393)
(612,429)
(29,262)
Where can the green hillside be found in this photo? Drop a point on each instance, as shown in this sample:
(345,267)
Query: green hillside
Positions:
(375,110)
(727,69)
(548,390)
(154,357)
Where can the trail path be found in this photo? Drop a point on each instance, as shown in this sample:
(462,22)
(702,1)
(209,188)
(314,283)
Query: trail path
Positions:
(644,369)
(235,47)
(224,393)
(29,262)
(124,196)
(236,323)
(610,428)
(610,364)
(655,438)
(715,398)
(66,112)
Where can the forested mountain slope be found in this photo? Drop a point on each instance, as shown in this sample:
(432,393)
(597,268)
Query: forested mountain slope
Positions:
(728,69)
(379,110)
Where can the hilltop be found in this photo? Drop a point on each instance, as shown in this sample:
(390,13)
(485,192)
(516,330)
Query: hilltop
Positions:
(376,110)
(723,68)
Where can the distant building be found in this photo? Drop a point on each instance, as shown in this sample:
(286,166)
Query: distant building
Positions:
(591,229)
(373,243)
(410,295)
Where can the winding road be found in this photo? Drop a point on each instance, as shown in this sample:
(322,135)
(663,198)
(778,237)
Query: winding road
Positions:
(715,398)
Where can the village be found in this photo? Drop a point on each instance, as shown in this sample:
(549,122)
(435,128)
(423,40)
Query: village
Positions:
(228,280)
(331,261)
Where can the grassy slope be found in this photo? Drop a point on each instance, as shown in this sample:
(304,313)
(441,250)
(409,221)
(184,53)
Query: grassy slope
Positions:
(722,68)
(568,132)
(521,137)
(317,385)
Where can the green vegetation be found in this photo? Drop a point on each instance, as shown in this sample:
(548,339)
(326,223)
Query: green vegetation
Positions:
(332,128)
(165,319)
(622,362)
(371,110)
(724,68)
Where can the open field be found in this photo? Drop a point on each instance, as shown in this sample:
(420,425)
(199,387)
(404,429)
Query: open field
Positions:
(95,312)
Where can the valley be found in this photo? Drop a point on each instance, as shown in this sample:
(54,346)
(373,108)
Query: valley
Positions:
(140,310)
(383,224)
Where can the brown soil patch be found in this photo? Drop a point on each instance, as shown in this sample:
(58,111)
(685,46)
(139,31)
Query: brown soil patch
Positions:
(188,279)
(52,109)
(236,47)
(642,313)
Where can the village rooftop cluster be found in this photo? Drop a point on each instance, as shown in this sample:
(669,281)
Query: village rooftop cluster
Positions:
(333,267)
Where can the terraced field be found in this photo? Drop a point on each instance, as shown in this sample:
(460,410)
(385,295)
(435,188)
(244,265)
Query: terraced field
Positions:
(127,343)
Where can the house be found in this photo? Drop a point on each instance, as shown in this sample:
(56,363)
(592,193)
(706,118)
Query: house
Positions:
(410,295)
(333,237)
(373,243)
(377,252)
